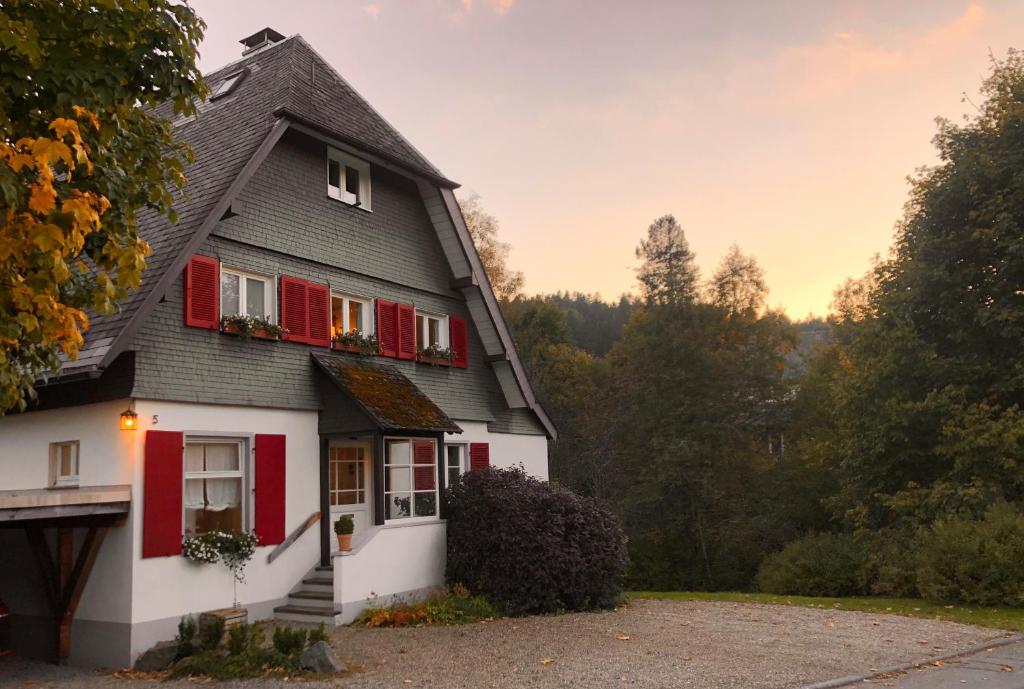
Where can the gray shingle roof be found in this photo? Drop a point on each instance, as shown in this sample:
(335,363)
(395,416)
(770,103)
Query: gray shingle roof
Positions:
(285,80)
(386,396)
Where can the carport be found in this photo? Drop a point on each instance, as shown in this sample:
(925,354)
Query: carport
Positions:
(63,573)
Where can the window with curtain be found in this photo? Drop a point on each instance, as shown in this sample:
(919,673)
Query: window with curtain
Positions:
(410,479)
(214,486)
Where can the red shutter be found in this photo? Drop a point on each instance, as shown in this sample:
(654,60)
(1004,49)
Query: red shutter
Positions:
(202,293)
(269,487)
(479,456)
(459,341)
(161,493)
(387,327)
(319,314)
(294,314)
(423,457)
(406,331)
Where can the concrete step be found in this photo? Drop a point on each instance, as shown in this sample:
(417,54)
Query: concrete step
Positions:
(312,599)
(307,615)
(318,583)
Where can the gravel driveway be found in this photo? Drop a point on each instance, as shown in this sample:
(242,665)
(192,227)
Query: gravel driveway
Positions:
(653,644)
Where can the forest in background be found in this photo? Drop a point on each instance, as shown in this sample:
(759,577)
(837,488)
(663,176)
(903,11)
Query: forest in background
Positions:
(878,451)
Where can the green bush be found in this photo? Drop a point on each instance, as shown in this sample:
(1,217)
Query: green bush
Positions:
(979,562)
(318,634)
(245,638)
(891,564)
(816,565)
(246,656)
(185,640)
(211,632)
(531,547)
(289,641)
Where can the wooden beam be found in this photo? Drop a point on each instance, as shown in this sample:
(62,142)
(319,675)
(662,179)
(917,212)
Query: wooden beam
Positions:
(44,561)
(72,593)
(65,551)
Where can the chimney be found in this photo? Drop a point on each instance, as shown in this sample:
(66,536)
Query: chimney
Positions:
(260,39)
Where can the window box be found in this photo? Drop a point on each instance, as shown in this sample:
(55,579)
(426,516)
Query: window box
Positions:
(435,355)
(356,343)
(433,360)
(261,334)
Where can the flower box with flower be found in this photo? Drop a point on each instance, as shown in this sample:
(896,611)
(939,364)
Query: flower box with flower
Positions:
(234,549)
(250,326)
(356,343)
(435,355)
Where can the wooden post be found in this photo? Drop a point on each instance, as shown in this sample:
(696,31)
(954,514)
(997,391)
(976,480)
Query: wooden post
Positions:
(65,551)
(72,593)
(325,502)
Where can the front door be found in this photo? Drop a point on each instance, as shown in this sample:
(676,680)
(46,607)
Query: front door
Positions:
(350,478)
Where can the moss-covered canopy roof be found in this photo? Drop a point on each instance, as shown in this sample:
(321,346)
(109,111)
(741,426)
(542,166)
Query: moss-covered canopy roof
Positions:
(391,400)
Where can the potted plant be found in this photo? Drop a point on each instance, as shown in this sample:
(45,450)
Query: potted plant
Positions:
(435,355)
(250,326)
(343,528)
(356,342)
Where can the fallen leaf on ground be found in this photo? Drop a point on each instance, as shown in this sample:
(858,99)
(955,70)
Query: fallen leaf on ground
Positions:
(620,636)
(547,661)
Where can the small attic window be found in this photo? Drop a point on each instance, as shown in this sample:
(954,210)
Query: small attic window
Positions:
(348,179)
(229,84)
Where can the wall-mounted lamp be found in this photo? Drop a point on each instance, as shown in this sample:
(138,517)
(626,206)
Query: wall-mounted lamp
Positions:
(129,419)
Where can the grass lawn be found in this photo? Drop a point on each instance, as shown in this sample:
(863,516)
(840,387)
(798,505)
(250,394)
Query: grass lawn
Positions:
(999,617)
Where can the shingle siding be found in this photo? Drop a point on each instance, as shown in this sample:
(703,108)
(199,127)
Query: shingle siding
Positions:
(289,226)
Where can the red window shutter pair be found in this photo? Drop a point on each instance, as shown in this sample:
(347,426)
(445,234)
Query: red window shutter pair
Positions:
(306,311)
(202,293)
(423,457)
(459,339)
(479,456)
(162,491)
(396,329)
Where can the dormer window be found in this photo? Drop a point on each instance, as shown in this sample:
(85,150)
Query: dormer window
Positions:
(228,84)
(348,179)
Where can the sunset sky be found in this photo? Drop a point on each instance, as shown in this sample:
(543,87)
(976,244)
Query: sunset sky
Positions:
(788,128)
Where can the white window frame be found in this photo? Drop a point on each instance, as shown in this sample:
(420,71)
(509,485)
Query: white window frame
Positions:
(412,518)
(245,469)
(71,480)
(269,291)
(227,85)
(463,449)
(424,331)
(338,192)
(367,311)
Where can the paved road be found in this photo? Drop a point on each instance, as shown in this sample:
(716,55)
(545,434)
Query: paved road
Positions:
(997,668)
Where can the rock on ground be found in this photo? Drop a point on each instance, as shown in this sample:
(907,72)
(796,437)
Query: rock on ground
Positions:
(157,658)
(320,658)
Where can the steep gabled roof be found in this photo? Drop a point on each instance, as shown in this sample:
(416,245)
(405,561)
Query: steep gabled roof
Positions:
(287,84)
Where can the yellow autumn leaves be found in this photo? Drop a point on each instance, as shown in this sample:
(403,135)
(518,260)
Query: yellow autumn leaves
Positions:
(44,236)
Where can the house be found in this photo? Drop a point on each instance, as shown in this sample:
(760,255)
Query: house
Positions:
(305,208)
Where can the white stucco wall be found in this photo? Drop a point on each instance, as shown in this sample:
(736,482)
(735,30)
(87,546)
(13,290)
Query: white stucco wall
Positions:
(104,459)
(164,588)
(399,559)
(507,449)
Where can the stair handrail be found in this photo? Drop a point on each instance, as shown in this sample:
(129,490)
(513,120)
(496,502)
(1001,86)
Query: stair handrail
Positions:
(293,536)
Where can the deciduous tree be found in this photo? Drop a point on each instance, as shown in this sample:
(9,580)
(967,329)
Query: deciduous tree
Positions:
(83,150)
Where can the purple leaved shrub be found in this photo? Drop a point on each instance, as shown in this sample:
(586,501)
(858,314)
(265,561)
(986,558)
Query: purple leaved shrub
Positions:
(531,547)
